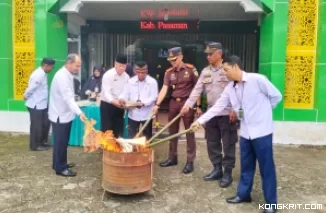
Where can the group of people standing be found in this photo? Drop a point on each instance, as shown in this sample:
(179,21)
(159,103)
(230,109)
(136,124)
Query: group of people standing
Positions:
(232,94)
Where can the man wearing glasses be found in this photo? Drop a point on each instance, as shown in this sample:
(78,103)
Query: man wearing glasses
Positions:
(181,78)
(142,89)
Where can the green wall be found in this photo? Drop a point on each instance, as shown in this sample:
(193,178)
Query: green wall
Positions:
(50,41)
(273,33)
(6,54)
(320,100)
(273,60)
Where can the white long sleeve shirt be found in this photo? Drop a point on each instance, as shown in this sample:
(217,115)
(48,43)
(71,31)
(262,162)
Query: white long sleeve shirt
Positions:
(257,97)
(37,90)
(62,97)
(113,85)
(145,91)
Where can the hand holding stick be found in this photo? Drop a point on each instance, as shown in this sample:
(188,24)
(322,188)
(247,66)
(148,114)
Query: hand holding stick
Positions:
(171,137)
(164,128)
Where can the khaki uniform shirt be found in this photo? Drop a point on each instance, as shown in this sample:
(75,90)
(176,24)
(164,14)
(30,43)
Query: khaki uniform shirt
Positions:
(182,81)
(212,82)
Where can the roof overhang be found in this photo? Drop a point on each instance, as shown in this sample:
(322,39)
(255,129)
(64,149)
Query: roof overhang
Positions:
(212,9)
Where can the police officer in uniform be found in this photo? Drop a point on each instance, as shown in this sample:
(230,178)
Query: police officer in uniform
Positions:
(181,78)
(212,80)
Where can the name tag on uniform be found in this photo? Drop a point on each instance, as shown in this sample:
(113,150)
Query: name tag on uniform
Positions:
(207,79)
(173,77)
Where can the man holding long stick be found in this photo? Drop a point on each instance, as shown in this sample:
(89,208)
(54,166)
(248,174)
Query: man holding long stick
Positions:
(253,97)
(182,78)
(223,126)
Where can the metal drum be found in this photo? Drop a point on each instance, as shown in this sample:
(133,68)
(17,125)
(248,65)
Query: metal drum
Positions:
(127,173)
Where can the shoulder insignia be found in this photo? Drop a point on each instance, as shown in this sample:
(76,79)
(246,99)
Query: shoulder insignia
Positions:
(190,66)
(169,70)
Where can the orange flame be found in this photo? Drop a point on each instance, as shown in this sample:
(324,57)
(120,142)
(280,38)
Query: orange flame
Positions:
(94,140)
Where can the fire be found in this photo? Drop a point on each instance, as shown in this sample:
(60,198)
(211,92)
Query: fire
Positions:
(94,140)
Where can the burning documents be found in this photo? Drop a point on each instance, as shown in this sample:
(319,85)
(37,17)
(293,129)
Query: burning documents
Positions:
(94,140)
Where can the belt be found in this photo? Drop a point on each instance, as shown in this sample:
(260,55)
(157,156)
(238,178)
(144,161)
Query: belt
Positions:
(180,99)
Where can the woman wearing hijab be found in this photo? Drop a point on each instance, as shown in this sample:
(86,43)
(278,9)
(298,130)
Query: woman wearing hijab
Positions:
(93,84)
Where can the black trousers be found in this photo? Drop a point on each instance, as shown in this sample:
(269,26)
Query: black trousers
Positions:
(111,118)
(39,127)
(218,128)
(61,134)
(134,127)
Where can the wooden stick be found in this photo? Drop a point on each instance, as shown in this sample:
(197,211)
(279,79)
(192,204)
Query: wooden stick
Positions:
(144,126)
(164,128)
(170,137)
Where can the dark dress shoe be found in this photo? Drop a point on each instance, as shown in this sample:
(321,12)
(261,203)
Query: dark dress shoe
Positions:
(169,162)
(41,148)
(236,200)
(189,167)
(47,145)
(70,165)
(67,173)
(216,174)
(227,179)
(269,211)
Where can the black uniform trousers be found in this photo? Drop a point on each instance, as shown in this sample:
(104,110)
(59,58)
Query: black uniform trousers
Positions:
(219,127)
(260,149)
(61,134)
(112,118)
(133,128)
(39,127)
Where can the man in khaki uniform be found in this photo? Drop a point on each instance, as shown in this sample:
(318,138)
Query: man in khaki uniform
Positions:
(212,81)
(181,78)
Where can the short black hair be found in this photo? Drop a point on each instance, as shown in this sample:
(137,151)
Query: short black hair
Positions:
(233,60)
(140,64)
(48,61)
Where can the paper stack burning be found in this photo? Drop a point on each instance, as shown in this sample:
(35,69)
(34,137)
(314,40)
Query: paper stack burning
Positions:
(94,140)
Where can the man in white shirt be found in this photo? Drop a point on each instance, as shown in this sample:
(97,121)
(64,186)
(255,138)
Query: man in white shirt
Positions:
(253,97)
(62,110)
(143,89)
(113,83)
(36,101)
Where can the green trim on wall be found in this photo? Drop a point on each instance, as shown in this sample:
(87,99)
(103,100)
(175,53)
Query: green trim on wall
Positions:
(272,55)
(6,53)
(300,114)
(320,79)
(268,5)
